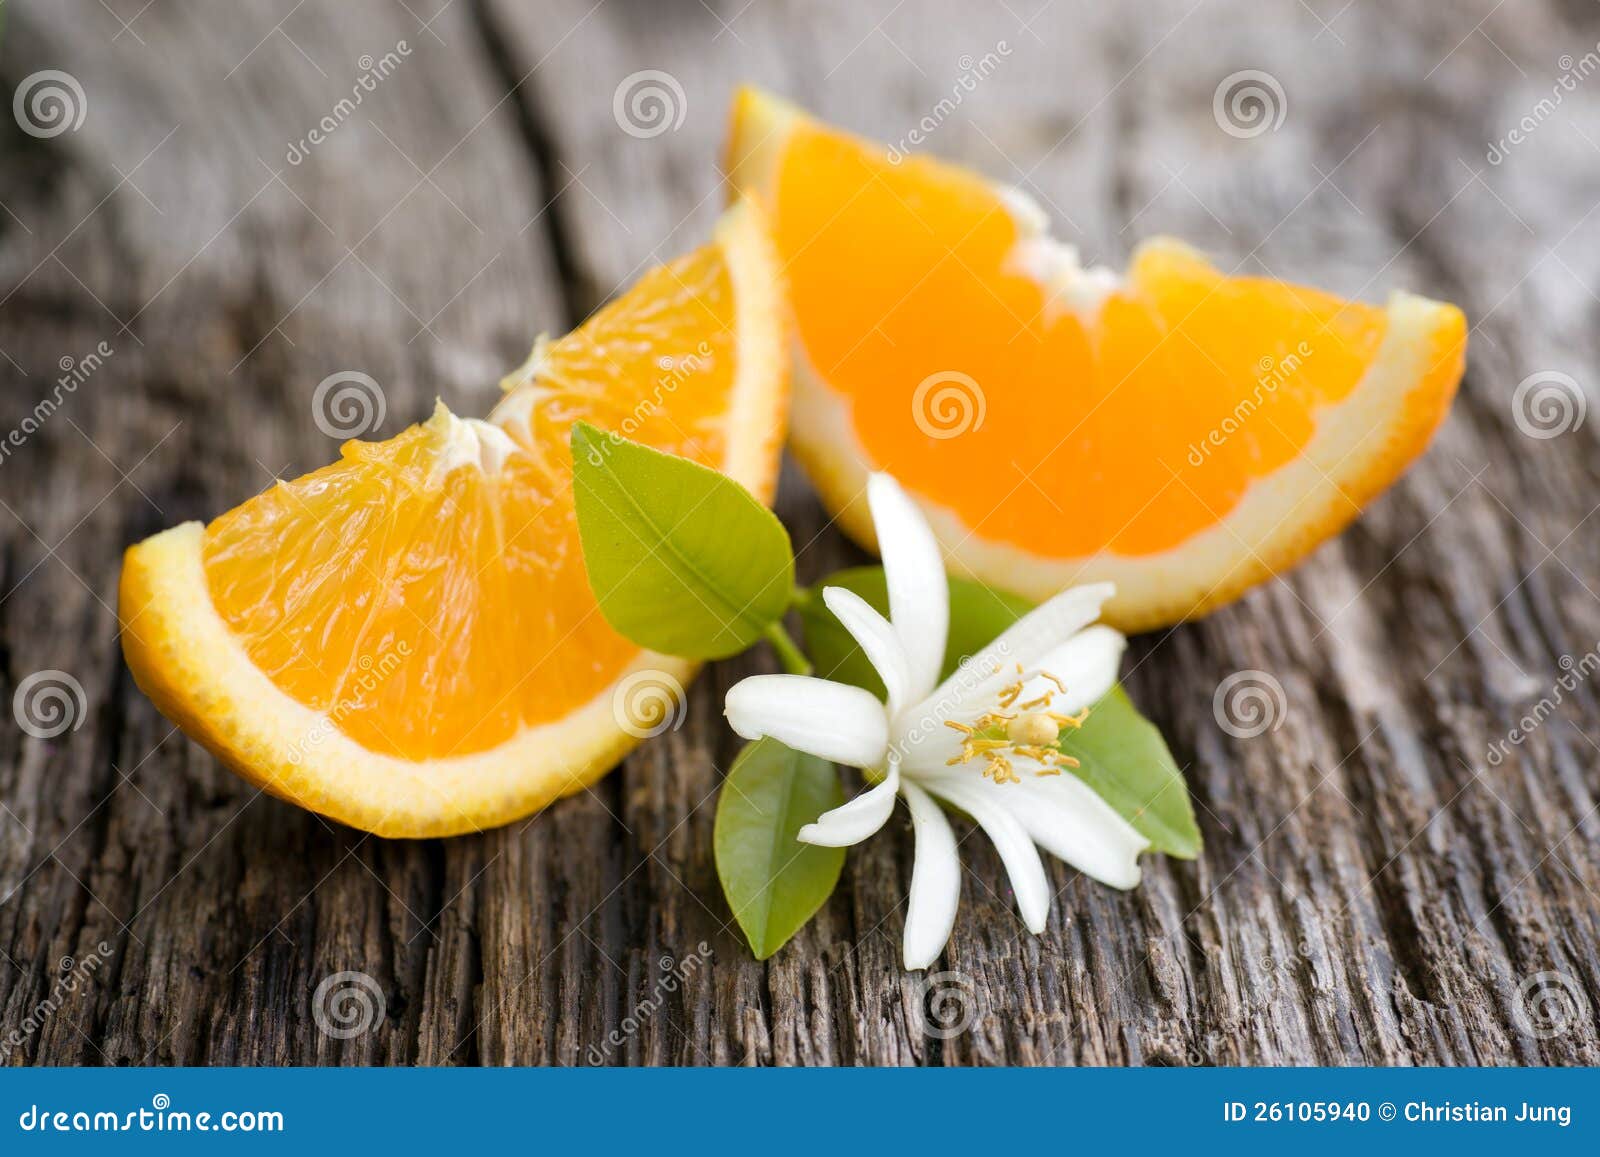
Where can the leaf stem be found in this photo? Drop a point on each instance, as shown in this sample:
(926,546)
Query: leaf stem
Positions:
(790,655)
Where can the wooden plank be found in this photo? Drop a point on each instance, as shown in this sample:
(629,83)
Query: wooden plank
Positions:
(1375,888)
(1130,148)
(230,281)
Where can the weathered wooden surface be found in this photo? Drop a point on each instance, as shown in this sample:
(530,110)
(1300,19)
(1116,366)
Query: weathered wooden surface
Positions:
(1376,886)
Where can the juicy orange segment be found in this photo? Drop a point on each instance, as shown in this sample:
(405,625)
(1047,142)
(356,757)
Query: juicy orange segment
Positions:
(1048,415)
(455,532)
(420,606)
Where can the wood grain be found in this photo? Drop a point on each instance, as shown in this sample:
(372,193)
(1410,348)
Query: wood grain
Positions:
(1381,882)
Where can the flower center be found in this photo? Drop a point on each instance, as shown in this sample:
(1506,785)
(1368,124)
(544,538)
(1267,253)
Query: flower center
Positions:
(1035,729)
(1027,730)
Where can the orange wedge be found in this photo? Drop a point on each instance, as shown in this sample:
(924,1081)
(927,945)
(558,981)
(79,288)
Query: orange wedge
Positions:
(1178,431)
(406,640)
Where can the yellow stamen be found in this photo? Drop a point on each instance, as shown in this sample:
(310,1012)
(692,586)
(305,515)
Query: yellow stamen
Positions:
(1077,720)
(996,737)
(999,769)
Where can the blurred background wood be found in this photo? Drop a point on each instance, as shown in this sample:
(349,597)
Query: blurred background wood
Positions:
(1377,886)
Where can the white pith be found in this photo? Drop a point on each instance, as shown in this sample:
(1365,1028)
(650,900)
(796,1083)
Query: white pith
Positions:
(470,442)
(1067,283)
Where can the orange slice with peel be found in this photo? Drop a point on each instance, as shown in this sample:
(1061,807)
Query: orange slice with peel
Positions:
(405,640)
(1178,431)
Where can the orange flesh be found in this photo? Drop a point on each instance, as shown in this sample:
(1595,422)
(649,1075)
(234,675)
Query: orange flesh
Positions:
(1129,433)
(435,613)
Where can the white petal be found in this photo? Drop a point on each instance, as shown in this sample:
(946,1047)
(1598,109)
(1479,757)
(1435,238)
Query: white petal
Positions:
(878,639)
(1011,840)
(935,881)
(829,720)
(919,592)
(1086,664)
(1065,817)
(923,742)
(1025,642)
(853,822)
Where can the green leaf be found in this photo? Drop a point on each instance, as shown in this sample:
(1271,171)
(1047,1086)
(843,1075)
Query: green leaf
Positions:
(773,882)
(977,615)
(1123,757)
(1122,754)
(682,559)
